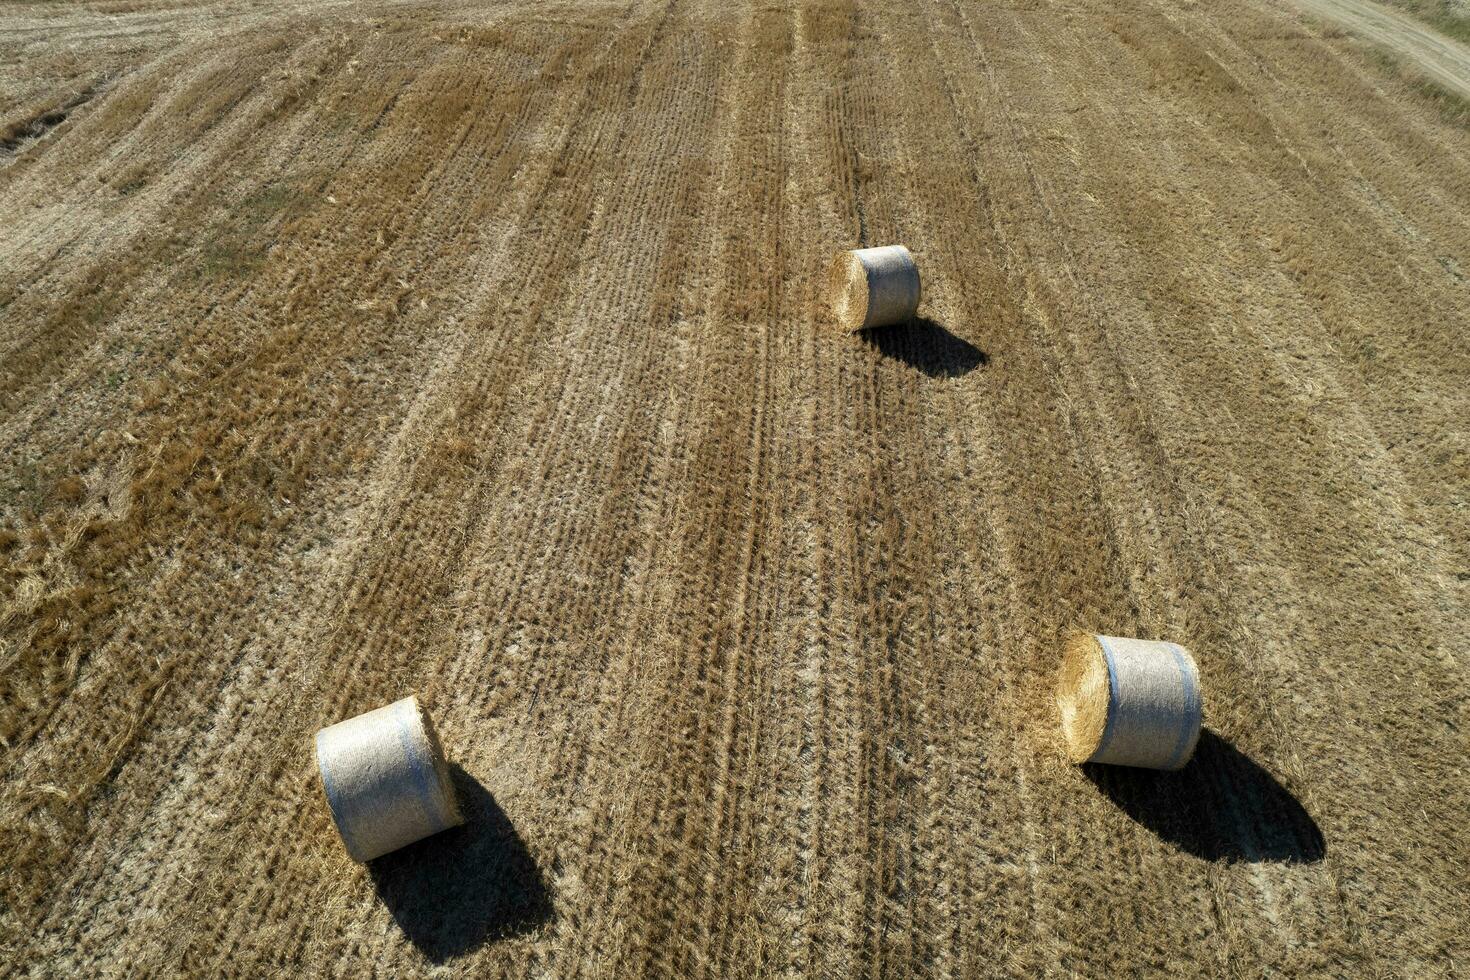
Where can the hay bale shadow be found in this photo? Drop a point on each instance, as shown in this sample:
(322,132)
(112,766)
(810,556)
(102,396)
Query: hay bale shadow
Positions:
(926,346)
(460,889)
(1220,807)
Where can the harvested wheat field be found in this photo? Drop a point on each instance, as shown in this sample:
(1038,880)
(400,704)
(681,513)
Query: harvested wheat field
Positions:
(351,350)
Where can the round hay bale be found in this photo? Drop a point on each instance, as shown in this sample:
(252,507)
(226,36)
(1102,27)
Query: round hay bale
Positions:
(1128,702)
(386,779)
(873,287)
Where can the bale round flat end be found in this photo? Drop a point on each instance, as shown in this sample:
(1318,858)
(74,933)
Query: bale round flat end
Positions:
(1083,696)
(847,291)
(453,814)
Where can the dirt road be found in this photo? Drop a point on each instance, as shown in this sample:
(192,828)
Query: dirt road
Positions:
(352,350)
(1442,59)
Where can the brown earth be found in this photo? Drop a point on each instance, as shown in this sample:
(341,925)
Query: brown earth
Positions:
(1440,59)
(350,350)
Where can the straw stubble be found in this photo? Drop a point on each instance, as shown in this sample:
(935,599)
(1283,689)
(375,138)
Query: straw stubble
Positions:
(467,346)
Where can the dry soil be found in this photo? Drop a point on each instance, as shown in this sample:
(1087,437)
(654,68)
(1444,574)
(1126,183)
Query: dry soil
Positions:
(353,349)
